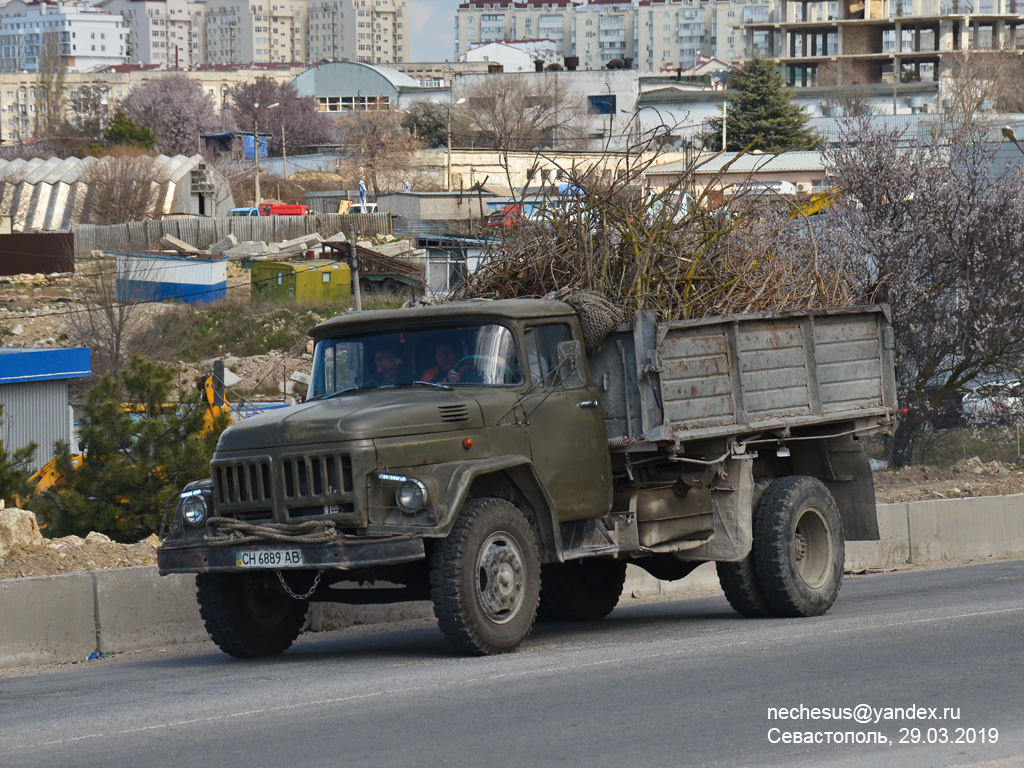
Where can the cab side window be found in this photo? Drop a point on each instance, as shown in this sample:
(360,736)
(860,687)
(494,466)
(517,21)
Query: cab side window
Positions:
(542,353)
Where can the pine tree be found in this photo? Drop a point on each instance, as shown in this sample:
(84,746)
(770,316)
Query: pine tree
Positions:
(143,441)
(760,110)
(122,130)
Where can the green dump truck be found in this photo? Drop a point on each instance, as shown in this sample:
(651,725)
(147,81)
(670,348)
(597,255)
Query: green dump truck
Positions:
(475,455)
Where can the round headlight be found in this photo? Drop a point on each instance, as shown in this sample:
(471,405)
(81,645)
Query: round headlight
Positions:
(194,509)
(411,496)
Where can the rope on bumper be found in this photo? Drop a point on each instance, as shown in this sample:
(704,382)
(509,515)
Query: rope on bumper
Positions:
(227,532)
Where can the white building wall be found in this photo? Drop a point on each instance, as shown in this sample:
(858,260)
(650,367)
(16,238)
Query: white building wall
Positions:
(89,38)
(515,57)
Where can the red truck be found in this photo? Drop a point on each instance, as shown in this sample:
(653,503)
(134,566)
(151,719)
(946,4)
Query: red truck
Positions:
(273,208)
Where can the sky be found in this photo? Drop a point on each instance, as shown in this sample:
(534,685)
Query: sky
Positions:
(432,29)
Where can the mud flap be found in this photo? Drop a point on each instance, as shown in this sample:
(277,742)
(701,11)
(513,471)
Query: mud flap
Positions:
(842,465)
(732,515)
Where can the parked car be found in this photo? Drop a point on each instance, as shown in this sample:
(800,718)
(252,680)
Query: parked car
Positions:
(997,403)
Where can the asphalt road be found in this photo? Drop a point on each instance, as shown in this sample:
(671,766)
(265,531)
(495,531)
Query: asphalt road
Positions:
(659,683)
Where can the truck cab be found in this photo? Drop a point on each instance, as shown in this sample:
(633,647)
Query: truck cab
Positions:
(274,208)
(411,418)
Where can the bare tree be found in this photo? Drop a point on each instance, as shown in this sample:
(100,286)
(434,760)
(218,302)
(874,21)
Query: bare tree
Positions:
(375,141)
(122,187)
(939,228)
(106,315)
(509,113)
(973,79)
(90,111)
(52,85)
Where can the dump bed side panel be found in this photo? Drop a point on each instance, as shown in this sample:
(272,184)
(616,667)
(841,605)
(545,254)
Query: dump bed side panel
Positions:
(745,373)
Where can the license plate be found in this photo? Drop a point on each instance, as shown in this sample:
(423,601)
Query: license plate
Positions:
(268,558)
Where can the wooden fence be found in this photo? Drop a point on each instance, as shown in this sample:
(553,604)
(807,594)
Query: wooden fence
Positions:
(203,232)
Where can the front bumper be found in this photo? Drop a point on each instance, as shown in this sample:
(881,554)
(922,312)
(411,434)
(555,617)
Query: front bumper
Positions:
(345,553)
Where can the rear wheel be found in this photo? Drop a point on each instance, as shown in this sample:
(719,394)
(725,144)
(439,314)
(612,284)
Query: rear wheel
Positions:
(485,578)
(249,615)
(798,547)
(580,590)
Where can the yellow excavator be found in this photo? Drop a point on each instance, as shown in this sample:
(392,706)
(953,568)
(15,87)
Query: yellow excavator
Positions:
(815,204)
(48,477)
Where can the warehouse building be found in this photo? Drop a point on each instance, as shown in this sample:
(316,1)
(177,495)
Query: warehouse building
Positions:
(34,396)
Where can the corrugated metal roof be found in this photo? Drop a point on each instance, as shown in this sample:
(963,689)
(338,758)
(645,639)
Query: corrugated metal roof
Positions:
(56,193)
(21,364)
(749,163)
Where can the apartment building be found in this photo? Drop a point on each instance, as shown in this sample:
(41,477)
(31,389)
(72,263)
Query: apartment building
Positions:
(244,31)
(650,35)
(331,29)
(676,34)
(167,32)
(81,37)
(885,41)
(382,31)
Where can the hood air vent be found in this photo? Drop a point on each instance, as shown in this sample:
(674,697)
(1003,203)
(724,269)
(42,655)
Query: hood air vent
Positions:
(452,413)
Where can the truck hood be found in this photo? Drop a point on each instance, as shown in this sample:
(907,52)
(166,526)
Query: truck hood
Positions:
(356,416)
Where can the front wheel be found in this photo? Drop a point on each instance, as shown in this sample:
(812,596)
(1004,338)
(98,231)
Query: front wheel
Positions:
(485,578)
(798,547)
(249,615)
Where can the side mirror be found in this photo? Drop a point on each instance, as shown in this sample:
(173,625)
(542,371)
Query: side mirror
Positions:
(570,365)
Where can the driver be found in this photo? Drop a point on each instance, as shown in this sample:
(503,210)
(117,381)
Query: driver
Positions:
(446,357)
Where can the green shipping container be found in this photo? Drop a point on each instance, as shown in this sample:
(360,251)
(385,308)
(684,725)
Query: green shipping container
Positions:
(301,282)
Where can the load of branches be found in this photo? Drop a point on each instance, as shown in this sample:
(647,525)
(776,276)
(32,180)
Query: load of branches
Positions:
(691,248)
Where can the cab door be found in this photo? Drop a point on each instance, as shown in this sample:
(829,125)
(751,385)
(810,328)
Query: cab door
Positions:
(566,428)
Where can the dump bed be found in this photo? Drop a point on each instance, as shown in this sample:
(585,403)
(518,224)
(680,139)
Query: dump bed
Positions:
(742,374)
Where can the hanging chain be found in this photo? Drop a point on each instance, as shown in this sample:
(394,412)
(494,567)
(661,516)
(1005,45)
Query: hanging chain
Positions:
(316,582)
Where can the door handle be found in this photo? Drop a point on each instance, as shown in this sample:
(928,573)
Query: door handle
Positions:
(588,404)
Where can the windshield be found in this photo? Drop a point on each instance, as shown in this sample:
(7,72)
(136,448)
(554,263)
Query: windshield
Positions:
(464,355)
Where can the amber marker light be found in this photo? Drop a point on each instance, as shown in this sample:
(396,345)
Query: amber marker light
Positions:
(467,443)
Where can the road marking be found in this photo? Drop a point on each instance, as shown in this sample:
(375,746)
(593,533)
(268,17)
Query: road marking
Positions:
(499,676)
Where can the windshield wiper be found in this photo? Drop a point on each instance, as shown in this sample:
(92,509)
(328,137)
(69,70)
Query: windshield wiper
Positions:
(434,384)
(339,392)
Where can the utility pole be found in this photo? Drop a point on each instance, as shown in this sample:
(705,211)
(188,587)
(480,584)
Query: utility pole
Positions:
(256,147)
(357,297)
(284,154)
(724,104)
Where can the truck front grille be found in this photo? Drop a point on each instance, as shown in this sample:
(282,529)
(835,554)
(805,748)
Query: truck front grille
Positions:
(286,488)
(242,482)
(316,475)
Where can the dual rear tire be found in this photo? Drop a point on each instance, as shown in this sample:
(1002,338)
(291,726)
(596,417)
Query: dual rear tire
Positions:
(795,567)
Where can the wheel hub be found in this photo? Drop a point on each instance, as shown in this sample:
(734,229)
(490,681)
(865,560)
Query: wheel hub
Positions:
(500,577)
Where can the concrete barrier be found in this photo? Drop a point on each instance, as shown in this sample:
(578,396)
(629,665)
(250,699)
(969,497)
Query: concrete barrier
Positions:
(138,608)
(46,619)
(65,618)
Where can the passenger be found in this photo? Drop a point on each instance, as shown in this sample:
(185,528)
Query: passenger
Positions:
(389,366)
